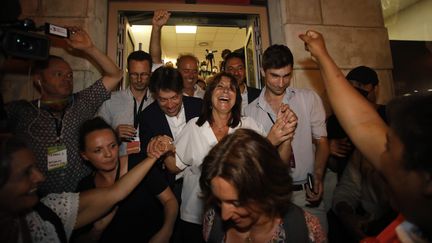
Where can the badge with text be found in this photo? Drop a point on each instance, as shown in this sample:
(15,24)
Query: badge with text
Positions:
(134,146)
(57,157)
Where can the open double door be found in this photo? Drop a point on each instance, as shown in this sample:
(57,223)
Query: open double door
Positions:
(121,42)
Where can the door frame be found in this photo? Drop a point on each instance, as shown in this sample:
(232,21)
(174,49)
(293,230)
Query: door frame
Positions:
(114,9)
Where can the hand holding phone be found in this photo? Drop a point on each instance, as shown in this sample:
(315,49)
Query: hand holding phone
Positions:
(310,182)
(56,30)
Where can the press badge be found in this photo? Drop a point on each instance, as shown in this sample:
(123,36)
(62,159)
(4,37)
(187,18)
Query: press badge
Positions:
(134,146)
(57,157)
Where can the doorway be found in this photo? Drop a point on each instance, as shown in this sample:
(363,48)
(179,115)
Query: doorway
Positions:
(249,21)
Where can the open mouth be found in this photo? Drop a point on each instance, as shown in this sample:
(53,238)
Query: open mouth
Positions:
(224,99)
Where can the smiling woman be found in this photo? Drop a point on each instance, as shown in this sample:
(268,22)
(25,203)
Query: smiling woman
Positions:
(220,116)
(25,218)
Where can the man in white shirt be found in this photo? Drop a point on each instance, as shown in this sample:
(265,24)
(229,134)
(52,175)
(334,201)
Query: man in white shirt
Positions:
(310,146)
(122,110)
(188,66)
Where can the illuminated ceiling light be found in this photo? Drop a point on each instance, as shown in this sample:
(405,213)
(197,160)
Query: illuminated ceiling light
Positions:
(186,29)
(141,28)
(429,90)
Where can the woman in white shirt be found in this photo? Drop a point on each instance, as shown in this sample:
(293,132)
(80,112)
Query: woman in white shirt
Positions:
(221,115)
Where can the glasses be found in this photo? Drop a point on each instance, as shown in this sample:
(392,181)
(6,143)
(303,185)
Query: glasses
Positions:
(137,76)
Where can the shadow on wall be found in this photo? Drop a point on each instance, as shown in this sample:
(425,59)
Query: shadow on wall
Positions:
(412,66)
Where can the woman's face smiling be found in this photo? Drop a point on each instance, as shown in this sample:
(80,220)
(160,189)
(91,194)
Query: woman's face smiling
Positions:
(19,192)
(223,96)
(101,149)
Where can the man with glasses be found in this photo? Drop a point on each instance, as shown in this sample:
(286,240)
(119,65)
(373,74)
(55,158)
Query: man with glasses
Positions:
(122,110)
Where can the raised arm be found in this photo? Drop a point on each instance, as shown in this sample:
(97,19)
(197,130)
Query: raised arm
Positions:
(360,123)
(160,18)
(96,202)
(80,40)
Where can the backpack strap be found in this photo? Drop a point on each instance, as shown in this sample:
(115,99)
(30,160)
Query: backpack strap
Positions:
(217,231)
(295,225)
(47,214)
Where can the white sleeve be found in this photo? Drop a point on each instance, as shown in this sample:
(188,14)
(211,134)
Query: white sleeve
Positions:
(185,144)
(104,112)
(318,117)
(65,205)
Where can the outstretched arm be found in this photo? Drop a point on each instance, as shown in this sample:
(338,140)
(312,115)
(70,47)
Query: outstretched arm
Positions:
(96,202)
(170,205)
(80,40)
(359,123)
(160,18)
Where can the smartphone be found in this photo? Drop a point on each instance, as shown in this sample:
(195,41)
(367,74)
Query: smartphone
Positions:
(56,30)
(310,182)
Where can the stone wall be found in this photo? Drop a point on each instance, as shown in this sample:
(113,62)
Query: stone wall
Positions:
(89,14)
(355,35)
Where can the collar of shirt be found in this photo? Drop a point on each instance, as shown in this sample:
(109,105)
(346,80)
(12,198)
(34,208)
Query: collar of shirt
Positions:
(176,123)
(146,95)
(262,103)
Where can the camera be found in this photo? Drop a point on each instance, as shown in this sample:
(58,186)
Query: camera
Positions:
(16,40)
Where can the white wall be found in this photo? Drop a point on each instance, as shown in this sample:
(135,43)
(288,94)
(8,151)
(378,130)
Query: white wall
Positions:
(412,23)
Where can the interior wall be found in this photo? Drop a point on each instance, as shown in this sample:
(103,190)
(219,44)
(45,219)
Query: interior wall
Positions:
(412,23)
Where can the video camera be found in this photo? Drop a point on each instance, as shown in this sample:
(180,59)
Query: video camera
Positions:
(17,39)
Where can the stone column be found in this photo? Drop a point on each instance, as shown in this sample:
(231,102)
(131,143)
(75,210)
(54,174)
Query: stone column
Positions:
(355,35)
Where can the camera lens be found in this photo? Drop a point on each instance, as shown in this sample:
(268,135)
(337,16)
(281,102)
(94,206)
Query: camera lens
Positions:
(23,44)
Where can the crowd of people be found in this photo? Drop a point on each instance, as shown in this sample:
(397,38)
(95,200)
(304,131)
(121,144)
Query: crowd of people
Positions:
(170,160)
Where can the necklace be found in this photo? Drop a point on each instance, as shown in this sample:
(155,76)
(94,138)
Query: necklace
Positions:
(219,128)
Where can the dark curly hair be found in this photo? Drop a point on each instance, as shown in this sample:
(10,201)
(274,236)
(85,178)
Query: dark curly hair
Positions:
(166,78)
(410,118)
(277,56)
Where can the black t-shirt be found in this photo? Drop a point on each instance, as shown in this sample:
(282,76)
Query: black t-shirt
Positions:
(140,215)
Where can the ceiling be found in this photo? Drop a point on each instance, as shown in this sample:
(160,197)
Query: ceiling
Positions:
(214,39)
(391,7)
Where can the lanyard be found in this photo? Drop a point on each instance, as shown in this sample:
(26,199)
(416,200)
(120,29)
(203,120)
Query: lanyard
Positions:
(57,122)
(271,119)
(137,112)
